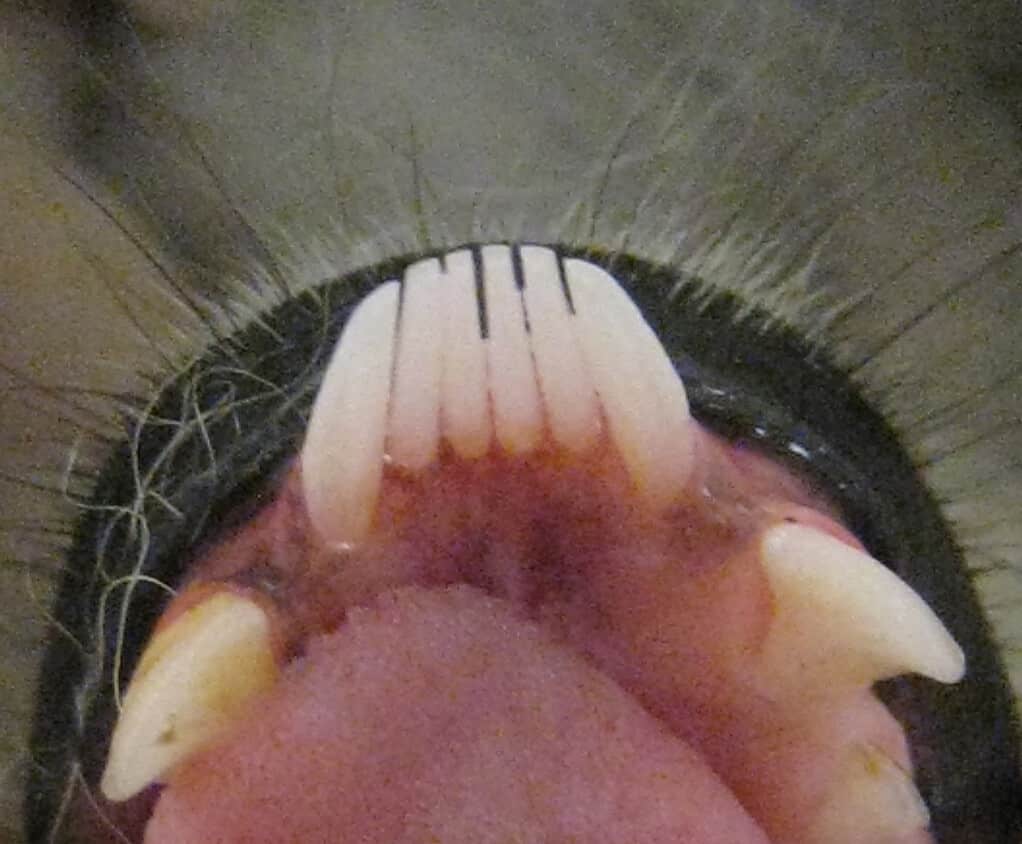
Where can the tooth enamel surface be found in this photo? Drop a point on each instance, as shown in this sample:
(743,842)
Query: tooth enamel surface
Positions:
(342,458)
(412,367)
(465,404)
(843,619)
(193,679)
(871,800)
(572,409)
(517,412)
(414,429)
(642,396)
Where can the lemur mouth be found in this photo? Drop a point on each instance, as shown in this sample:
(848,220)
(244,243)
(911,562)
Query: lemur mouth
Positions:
(512,588)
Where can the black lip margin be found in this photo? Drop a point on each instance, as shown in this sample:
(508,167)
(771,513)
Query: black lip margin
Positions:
(965,738)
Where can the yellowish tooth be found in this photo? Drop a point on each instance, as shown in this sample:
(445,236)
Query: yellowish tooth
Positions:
(414,427)
(465,402)
(872,799)
(517,410)
(192,682)
(571,404)
(643,398)
(844,620)
(342,457)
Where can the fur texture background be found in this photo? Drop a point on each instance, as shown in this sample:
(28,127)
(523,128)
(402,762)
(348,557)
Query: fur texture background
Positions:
(853,166)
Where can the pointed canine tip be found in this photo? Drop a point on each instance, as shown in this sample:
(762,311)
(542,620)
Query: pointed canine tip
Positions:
(192,682)
(843,618)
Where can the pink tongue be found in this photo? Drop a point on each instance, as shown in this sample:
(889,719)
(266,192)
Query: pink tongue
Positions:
(441,716)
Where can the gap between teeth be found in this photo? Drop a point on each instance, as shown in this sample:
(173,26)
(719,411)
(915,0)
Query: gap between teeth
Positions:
(414,424)
(570,400)
(407,373)
(465,403)
(514,392)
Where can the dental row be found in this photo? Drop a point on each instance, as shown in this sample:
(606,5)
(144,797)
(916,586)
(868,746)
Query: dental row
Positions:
(397,386)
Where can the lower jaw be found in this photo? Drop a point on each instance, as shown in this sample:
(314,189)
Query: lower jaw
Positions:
(572,688)
(442,715)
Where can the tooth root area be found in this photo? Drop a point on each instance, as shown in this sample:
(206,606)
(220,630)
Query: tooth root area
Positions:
(572,409)
(872,799)
(342,457)
(194,678)
(843,619)
(643,398)
(514,391)
(414,426)
(465,403)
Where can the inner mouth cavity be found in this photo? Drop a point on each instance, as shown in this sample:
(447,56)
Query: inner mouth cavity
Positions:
(511,590)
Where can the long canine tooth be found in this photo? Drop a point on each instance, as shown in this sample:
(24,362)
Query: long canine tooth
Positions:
(872,799)
(414,429)
(517,412)
(843,619)
(342,458)
(192,681)
(465,404)
(642,396)
(571,405)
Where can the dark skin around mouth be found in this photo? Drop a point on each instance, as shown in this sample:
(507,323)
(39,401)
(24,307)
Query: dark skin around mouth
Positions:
(748,383)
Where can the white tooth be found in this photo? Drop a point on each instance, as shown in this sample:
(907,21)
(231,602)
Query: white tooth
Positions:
(843,619)
(414,429)
(571,405)
(191,684)
(642,396)
(872,799)
(342,458)
(517,412)
(465,403)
